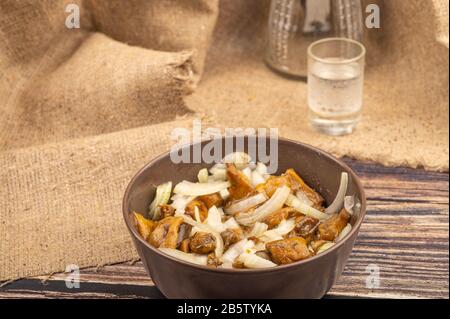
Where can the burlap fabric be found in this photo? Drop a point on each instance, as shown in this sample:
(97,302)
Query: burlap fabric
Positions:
(83,109)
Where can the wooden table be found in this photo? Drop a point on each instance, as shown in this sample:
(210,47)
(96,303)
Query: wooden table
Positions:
(405,236)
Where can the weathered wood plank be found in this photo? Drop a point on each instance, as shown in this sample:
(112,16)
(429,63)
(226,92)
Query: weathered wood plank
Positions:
(56,287)
(405,234)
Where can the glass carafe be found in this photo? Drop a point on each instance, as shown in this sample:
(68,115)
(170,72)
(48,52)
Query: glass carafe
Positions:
(295,24)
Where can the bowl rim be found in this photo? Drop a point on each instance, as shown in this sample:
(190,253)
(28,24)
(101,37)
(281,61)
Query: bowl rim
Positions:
(336,246)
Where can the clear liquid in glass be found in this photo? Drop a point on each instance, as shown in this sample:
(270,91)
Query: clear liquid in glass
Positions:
(335,94)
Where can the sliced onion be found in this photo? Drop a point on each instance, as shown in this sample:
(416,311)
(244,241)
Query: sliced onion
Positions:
(218,174)
(202,175)
(284,227)
(197,214)
(261,168)
(224,193)
(198,189)
(192,258)
(344,232)
(179,202)
(294,202)
(270,236)
(214,220)
(257,178)
(277,233)
(248,173)
(236,249)
(325,246)
(218,165)
(260,245)
(246,203)
(338,202)
(227,265)
(222,213)
(274,203)
(206,228)
(258,229)
(349,203)
(303,198)
(254,261)
(231,223)
(239,159)
(161,198)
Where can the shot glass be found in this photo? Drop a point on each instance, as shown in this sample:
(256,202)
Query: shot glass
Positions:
(335,84)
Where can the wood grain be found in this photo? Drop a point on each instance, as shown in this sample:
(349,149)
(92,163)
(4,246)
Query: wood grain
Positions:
(405,234)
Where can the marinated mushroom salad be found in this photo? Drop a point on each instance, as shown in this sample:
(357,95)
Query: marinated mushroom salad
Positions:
(239,216)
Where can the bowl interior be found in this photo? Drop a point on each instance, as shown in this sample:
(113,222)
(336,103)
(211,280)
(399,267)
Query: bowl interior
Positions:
(319,170)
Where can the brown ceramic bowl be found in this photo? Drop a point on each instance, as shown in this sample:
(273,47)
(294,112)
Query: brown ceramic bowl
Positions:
(310,278)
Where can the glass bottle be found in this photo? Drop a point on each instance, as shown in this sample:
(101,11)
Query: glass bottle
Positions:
(295,24)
